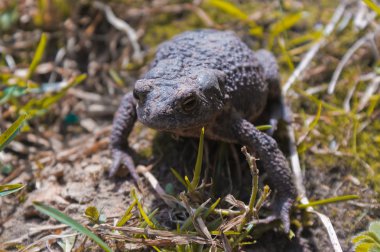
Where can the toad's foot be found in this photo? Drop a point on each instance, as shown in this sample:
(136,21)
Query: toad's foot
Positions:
(121,159)
(282,207)
(123,123)
(272,160)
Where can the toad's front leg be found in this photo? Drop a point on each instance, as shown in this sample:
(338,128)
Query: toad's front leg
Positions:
(123,123)
(273,161)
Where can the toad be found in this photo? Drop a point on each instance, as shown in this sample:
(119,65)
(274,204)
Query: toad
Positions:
(209,78)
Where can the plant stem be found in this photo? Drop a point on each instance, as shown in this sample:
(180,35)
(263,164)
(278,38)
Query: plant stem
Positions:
(255,186)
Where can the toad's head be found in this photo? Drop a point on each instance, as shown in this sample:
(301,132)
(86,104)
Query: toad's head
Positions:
(179,101)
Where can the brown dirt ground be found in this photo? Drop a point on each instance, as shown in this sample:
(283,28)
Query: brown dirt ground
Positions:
(79,179)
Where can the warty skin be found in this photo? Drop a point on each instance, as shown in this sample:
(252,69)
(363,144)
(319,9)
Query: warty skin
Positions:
(211,79)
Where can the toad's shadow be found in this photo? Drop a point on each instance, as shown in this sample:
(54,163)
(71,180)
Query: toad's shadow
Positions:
(224,166)
(226,171)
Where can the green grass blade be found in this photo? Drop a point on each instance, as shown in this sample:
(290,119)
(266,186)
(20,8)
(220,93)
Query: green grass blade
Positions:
(116,77)
(218,232)
(264,127)
(309,129)
(372,105)
(306,38)
(37,56)
(141,210)
(198,164)
(12,131)
(232,10)
(211,209)
(282,43)
(61,217)
(178,176)
(316,118)
(127,215)
(228,8)
(36,107)
(55,98)
(283,25)
(189,187)
(355,136)
(153,219)
(242,236)
(180,248)
(154,247)
(11,92)
(324,104)
(328,201)
(373,6)
(10,188)
(187,223)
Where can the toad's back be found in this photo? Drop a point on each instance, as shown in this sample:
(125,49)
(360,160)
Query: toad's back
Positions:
(246,87)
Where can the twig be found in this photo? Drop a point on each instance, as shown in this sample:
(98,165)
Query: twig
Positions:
(82,150)
(163,235)
(330,230)
(347,100)
(15,173)
(264,195)
(203,16)
(358,44)
(294,158)
(37,230)
(298,180)
(363,16)
(255,187)
(316,89)
(123,26)
(168,199)
(370,90)
(313,50)
(227,212)
(10,62)
(58,58)
(46,238)
(255,177)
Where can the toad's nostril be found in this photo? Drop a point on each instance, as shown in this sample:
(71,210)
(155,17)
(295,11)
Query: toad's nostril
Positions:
(140,95)
(137,95)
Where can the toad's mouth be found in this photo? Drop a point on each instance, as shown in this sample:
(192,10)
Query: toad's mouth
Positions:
(170,123)
(158,120)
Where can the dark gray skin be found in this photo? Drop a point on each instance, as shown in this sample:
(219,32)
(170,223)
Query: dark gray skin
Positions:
(210,79)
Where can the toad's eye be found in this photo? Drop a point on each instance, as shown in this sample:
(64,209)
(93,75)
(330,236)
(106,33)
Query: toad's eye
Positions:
(189,103)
